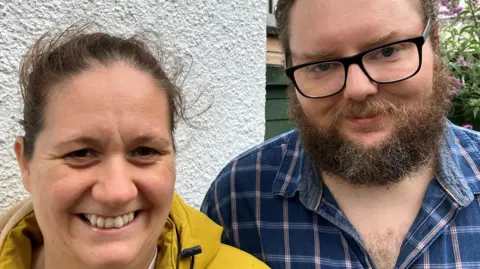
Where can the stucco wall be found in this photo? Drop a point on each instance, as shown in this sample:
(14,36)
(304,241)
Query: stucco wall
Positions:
(223,40)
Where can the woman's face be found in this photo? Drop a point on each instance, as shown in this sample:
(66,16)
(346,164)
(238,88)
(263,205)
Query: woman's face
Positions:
(103,170)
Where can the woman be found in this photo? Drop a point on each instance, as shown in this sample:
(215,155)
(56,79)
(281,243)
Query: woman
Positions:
(98,160)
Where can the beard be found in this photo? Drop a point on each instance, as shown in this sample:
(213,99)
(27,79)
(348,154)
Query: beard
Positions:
(415,136)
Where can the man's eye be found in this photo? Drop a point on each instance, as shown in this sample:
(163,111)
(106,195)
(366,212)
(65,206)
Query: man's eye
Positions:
(322,67)
(388,52)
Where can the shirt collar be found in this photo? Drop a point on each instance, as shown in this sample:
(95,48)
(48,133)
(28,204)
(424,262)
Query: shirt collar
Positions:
(457,170)
(154,261)
(290,172)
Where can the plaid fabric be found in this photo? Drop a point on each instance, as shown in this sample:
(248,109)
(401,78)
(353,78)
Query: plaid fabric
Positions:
(273,205)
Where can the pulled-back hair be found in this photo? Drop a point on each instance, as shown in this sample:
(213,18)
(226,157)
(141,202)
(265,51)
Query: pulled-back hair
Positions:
(56,58)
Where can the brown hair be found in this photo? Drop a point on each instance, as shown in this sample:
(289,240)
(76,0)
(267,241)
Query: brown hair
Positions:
(430,10)
(54,58)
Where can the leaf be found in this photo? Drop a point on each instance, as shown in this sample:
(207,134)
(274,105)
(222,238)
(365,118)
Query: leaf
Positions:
(469,28)
(460,37)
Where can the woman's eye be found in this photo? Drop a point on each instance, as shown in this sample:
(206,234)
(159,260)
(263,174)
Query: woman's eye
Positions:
(82,157)
(145,152)
(80,154)
(145,155)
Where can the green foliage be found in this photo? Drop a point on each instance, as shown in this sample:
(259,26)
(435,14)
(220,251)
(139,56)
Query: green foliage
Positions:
(460,43)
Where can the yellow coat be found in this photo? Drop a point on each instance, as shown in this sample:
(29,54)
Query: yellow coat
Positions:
(185,229)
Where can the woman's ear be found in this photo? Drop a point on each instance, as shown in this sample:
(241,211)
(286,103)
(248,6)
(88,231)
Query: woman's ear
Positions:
(23,162)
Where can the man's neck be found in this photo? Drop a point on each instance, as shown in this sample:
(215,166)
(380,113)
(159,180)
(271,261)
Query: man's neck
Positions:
(406,192)
(382,216)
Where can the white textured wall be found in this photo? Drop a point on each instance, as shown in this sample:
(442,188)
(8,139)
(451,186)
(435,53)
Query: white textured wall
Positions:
(226,43)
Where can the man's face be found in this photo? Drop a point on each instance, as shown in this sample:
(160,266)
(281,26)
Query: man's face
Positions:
(369,133)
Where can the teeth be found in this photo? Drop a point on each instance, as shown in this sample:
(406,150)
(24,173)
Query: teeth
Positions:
(100,222)
(130,216)
(118,222)
(109,222)
(93,220)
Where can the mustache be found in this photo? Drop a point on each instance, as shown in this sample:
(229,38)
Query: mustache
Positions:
(372,107)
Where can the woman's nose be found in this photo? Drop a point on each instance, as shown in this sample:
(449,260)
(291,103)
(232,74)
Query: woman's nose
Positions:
(115,185)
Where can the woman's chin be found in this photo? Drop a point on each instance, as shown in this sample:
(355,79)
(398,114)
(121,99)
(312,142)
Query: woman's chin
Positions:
(110,257)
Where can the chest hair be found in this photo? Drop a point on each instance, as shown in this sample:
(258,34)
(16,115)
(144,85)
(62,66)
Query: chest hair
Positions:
(384,247)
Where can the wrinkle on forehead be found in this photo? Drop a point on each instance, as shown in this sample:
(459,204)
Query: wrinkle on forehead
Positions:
(116,103)
(329,25)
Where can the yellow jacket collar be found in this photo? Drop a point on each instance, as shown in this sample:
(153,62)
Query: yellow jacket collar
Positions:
(186,233)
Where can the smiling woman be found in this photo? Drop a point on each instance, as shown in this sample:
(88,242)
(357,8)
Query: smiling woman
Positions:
(98,160)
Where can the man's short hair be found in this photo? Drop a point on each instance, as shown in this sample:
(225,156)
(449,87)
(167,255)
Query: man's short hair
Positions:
(428,8)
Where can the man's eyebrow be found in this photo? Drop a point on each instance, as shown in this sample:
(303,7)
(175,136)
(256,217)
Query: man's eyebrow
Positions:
(312,56)
(382,39)
(374,42)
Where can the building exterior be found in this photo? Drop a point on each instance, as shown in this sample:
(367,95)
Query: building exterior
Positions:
(221,43)
(276,113)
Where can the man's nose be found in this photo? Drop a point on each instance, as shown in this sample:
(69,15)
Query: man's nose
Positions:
(358,85)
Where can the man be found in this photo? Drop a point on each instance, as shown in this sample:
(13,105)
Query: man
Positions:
(375,176)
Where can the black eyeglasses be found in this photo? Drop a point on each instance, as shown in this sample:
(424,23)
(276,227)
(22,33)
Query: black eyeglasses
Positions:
(389,63)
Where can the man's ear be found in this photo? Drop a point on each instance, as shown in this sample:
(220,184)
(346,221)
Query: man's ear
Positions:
(23,162)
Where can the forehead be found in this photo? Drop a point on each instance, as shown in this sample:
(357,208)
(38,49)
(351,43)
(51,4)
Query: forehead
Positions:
(330,24)
(102,94)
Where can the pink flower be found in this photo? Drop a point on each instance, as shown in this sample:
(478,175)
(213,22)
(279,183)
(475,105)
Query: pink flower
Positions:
(446,3)
(457,84)
(463,62)
(452,8)
(445,12)
(457,9)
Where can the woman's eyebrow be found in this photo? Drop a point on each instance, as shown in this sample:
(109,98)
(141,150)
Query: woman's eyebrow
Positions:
(83,140)
(152,139)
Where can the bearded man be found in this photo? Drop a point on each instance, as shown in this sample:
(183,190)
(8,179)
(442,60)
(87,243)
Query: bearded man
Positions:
(374,176)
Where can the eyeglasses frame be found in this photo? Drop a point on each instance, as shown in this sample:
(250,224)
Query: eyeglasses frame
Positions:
(358,59)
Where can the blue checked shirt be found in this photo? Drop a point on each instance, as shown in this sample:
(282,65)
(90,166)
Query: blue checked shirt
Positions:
(272,204)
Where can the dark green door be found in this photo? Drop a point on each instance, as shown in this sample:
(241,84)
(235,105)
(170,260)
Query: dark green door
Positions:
(276,108)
